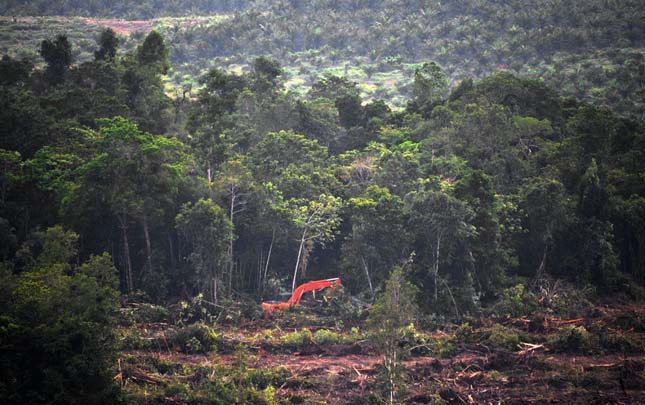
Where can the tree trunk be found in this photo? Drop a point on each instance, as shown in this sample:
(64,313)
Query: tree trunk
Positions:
(146,235)
(436,267)
(171,248)
(369,279)
(540,271)
(266,265)
(295,271)
(230,244)
(541,268)
(126,252)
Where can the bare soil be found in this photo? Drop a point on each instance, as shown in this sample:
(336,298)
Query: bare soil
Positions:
(474,373)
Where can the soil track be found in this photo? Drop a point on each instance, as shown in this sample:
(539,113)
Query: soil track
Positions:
(121,26)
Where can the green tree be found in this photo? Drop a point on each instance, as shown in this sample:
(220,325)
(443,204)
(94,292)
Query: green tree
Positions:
(490,258)
(430,87)
(440,223)
(379,236)
(108,44)
(13,72)
(546,206)
(317,221)
(56,327)
(58,56)
(134,175)
(208,231)
(390,320)
(266,72)
(235,183)
(154,53)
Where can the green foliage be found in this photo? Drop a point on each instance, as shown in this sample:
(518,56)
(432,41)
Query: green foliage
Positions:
(444,347)
(516,301)
(575,339)
(108,44)
(297,338)
(389,320)
(196,338)
(58,56)
(205,226)
(56,326)
(430,86)
(203,197)
(146,313)
(620,343)
(178,390)
(326,336)
(503,337)
(153,52)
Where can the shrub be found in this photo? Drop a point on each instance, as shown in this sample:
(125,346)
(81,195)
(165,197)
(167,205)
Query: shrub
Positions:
(444,347)
(178,390)
(464,332)
(326,336)
(197,310)
(620,342)
(131,340)
(296,339)
(196,338)
(262,378)
(148,313)
(516,301)
(571,339)
(503,337)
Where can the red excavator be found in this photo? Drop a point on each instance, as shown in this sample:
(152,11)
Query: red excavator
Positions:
(297,293)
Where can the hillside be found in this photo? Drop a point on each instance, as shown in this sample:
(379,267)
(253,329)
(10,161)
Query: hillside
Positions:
(592,50)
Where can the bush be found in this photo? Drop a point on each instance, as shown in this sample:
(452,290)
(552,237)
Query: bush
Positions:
(341,305)
(444,347)
(263,378)
(571,339)
(296,339)
(326,336)
(196,338)
(621,343)
(516,301)
(465,332)
(56,326)
(178,390)
(503,337)
(197,310)
(146,313)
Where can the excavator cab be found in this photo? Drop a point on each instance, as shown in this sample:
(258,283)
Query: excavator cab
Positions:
(296,296)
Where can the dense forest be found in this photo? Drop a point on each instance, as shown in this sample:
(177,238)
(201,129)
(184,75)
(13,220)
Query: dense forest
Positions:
(486,193)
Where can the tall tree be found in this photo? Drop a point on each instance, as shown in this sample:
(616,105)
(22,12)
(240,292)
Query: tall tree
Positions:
(207,229)
(133,175)
(58,56)
(317,220)
(108,44)
(440,224)
(153,52)
(430,86)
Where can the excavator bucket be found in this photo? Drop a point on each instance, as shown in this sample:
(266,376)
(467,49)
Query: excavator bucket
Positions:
(269,307)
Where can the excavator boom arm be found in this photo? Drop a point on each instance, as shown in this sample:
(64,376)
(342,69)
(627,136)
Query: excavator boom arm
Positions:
(296,296)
